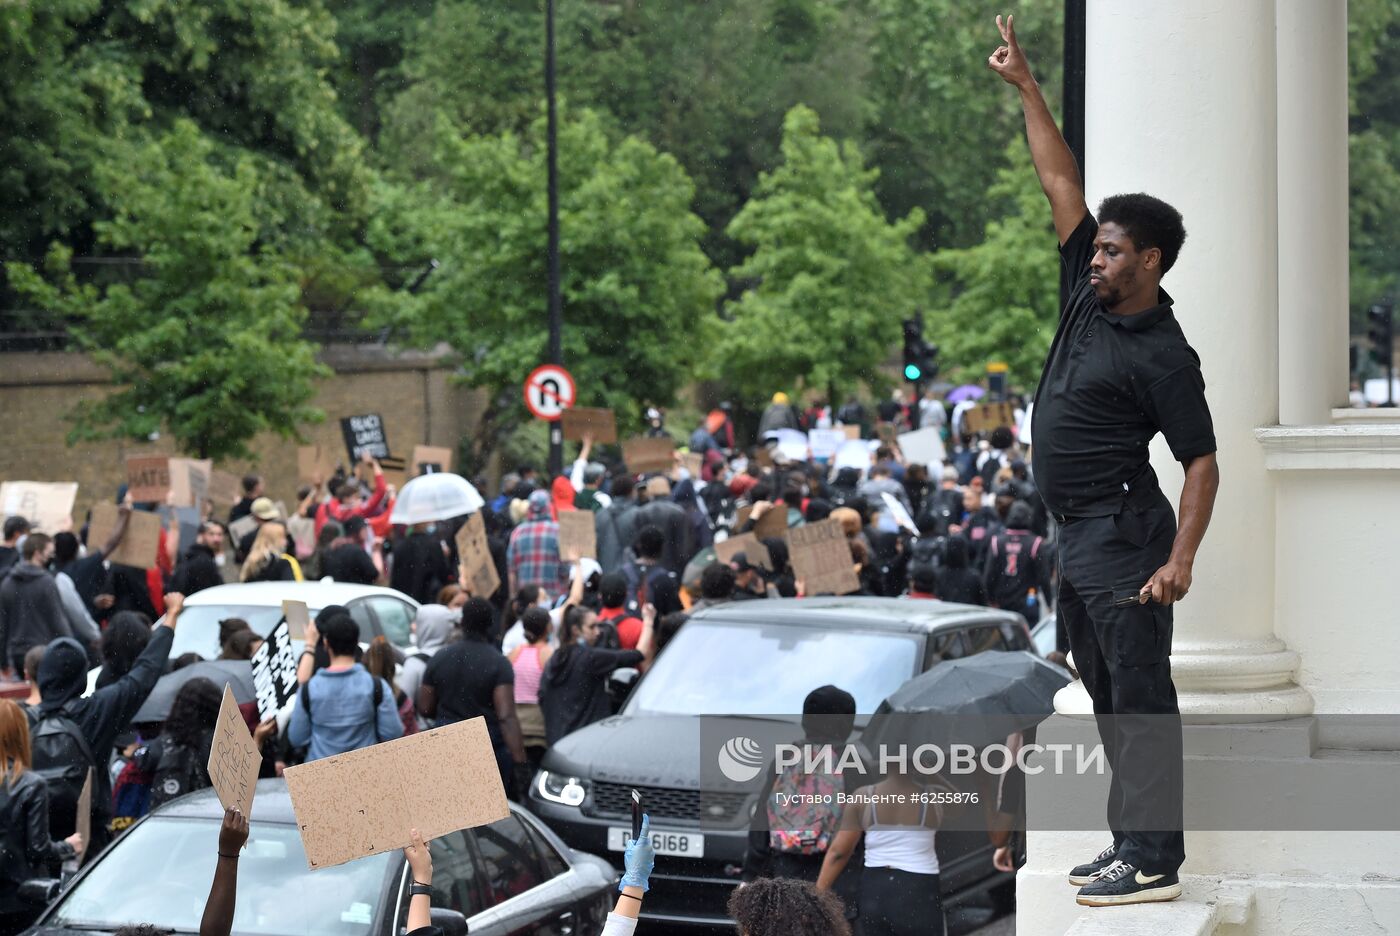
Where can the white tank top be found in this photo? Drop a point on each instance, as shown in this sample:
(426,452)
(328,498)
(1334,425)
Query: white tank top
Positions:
(902,847)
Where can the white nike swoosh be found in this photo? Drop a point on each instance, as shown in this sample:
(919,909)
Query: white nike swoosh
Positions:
(1143,879)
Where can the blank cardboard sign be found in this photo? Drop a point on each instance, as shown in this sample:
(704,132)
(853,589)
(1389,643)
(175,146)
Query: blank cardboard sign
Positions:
(578,536)
(479,573)
(821,558)
(773,523)
(47,504)
(643,456)
(754,551)
(298,617)
(189,480)
(138,546)
(579,421)
(429,459)
(366,801)
(234,759)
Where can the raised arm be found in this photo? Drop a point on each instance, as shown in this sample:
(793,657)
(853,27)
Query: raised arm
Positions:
(223,893)
(1054,163)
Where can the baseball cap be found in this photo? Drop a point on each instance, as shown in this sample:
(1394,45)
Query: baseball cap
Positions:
(264,509)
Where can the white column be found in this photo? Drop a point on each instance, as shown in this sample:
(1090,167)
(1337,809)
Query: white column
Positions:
(1181,105)
(1312,209)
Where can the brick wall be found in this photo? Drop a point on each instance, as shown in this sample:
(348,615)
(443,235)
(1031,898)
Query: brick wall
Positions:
(413,391)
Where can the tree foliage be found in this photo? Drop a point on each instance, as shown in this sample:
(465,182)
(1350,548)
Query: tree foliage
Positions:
(830,279)
(205,340)
(638,292)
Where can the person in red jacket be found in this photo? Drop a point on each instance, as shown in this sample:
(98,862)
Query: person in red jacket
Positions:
(349,502)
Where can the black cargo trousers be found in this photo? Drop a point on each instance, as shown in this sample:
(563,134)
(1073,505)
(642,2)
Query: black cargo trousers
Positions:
(1122,653)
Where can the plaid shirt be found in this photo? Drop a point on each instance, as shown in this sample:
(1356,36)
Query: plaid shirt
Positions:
(533,557)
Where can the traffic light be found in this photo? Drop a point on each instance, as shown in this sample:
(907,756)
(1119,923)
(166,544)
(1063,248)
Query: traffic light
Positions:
(920,357)
(1381,330)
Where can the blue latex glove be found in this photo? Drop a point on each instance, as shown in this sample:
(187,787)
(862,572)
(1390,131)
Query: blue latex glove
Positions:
(638,858)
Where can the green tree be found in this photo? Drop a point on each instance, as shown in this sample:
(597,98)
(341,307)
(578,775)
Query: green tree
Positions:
(1374,48)
(999,300)
(205,341)
(638,292)
(829,279)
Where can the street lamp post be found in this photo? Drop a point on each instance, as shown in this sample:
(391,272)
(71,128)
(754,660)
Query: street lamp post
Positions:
(556,312)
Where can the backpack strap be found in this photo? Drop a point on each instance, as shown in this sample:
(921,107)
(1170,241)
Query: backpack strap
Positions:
(70,727)
(378,698)
(306,698)
(1035,548)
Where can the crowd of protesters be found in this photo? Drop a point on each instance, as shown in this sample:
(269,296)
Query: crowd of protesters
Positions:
(533,659)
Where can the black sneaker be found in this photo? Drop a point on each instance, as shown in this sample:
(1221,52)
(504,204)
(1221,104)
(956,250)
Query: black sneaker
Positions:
(1088,873)
(1122,883)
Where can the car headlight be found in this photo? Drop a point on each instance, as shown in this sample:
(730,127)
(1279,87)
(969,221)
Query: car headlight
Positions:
(557,788)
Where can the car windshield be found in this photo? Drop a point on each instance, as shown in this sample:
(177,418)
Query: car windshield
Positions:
(161,871)
(199,626)
(731,669)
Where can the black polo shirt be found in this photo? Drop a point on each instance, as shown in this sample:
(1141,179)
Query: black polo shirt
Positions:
(1110,384)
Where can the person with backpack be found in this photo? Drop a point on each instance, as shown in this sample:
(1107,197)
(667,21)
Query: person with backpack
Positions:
(178,760)
(71,734)
(1015,565)
(619,629)
(432,630)
(573,692)
(379,660)
(26,849)
(644,570)
(341,707)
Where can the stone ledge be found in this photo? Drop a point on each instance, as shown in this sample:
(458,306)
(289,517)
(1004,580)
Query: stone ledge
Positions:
(1357,447)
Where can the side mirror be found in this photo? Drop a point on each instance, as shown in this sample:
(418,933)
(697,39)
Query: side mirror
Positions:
(622,680)
(39,892)
(450,922)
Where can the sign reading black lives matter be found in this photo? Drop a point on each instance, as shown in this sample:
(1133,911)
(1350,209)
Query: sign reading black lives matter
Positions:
(274,672)
(365,434)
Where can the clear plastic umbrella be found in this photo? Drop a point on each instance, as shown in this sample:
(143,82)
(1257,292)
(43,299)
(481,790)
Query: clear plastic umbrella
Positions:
(437,496)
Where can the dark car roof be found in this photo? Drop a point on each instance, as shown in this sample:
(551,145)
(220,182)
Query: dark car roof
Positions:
(899,615)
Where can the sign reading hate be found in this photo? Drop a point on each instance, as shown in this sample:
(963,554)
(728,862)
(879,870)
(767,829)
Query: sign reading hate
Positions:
(148,478)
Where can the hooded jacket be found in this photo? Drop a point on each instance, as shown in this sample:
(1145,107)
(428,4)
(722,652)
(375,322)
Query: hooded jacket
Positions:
(573,692)
(197,571)
(435,623)
(616,527)
(101,716)
(31,611)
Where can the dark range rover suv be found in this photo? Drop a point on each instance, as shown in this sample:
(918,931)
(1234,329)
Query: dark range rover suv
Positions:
(749,659)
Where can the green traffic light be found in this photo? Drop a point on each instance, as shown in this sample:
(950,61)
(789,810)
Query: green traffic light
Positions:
(912,372)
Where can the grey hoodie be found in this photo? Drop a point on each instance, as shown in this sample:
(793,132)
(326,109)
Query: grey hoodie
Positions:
(435,624)
(31,611)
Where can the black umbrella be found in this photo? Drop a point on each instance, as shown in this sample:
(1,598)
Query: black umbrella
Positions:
(975,700)
(236,673)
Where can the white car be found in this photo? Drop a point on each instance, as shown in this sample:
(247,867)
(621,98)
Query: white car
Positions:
(377,610)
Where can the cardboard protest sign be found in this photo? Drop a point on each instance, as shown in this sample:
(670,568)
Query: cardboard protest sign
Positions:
(578,537)
(365,434)
(84,816)
(579,421)
(395,471)
(298,617)
(852,432)
(148,478)
(825,442)
(988,416)
(138,547)
(774,522)
(275,671)
(821,559)
(224,488)
(922,447)
(886,432)
(793,445)
(302,530)
(365,802)
(234,759)
(189,480)
(430,459)
(901,516)
(47,505)
(479,574)
(748,544)
(644,456)
(314,463)
(742,515)
(242,527)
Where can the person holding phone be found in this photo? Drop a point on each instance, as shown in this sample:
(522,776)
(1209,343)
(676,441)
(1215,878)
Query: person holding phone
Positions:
(1119,371)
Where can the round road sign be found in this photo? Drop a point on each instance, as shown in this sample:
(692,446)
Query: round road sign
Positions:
(549,390)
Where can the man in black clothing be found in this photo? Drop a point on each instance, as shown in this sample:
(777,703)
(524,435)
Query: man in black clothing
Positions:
(472,678)
(1119,371)
(31,610)
(348,561)
(102,716)
(252,490)
(15,529)
(199,567)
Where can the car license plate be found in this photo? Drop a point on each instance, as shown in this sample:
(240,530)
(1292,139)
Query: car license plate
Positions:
(682,844)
